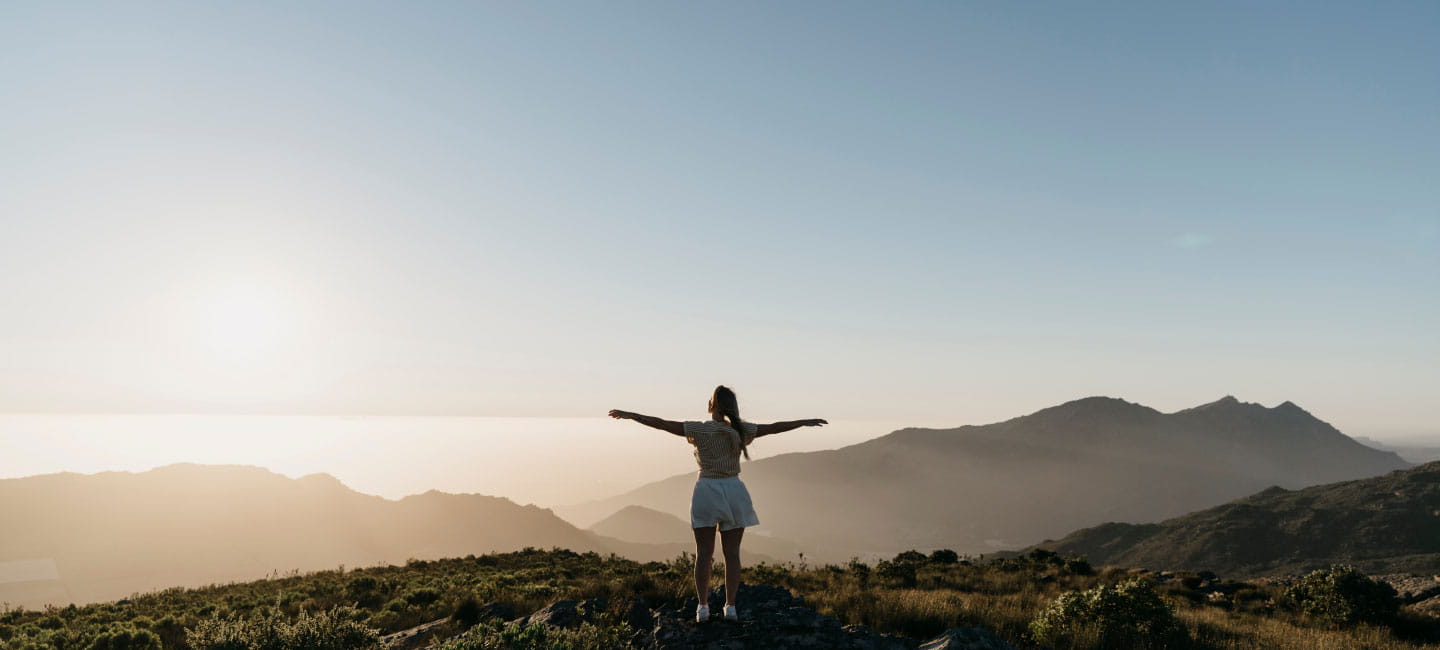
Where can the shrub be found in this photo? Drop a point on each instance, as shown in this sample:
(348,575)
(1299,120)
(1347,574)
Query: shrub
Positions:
(360,586)
(467,613)
(422,596)
(860,570)
(125,638)
(767,574)
(335,629)
(1079,566)
(1342,595)
(495,636)
(911,557)
(1127,615)
(896,571)
(944,556)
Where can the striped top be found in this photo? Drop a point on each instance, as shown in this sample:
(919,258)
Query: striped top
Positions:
(714,451)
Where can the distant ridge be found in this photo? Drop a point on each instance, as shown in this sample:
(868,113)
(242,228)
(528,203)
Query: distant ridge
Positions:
(641,524)
(1006,485)
(1389,523)
(111,534)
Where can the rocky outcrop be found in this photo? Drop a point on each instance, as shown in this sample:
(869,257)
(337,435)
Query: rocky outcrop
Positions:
(966,638)
(1412,588)
(770,618)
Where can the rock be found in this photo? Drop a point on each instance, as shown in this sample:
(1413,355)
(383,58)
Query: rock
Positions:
(413,637)
(1412,589)
(637,613)
(770,619)
(966,638)
(565,613)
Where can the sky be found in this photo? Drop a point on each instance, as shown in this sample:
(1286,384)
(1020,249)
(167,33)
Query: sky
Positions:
(931,212)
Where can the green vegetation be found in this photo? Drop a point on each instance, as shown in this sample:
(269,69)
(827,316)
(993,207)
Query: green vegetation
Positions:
(336,629)
(508,636)
(1027,600)
(1382,524)
(1129,614)
(1341,595)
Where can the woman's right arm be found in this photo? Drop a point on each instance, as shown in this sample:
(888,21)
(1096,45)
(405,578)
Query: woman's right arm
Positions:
(781,427)
(667,426)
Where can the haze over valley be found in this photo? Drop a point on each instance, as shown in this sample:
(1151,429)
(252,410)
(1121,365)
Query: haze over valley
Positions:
(1070,466)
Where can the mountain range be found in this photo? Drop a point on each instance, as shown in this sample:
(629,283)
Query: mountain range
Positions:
(1383,524)
(1010,484)
(84,538)
(974,489)
(644,525)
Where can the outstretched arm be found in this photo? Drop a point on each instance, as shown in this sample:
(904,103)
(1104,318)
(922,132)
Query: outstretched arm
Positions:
(781,427)
(650,421)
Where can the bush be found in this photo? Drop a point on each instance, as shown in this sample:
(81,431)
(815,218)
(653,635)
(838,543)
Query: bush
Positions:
(944,556)
(422,596)
(896,571)
(467,613)
(123,638)
(332,630)
(860,570)
(1079,566)
(361,586)
(509,636)
(1342,595)
(911,557)
(1127,615)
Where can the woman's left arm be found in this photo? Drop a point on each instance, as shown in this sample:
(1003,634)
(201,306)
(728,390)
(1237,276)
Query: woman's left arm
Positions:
(662,424)
(782,427)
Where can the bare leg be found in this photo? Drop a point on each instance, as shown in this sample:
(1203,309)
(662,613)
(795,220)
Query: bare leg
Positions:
(704,554)
(730,545)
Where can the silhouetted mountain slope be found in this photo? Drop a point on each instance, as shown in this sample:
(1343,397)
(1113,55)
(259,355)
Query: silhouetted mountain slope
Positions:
(644,525)
(108,535)
(1010,484)
(637,523)
(1386,523)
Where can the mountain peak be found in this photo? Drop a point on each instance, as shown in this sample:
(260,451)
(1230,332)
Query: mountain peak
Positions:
(1288,406)
(1094,407)
(1227,401)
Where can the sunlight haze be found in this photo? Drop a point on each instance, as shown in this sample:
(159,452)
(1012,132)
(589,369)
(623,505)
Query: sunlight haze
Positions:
(950,215)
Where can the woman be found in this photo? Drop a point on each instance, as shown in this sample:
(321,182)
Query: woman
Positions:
(720,499)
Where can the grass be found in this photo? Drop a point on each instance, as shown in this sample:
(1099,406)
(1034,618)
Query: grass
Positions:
(912,596)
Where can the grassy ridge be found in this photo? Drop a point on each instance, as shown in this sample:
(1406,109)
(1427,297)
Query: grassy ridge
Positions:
(912,595)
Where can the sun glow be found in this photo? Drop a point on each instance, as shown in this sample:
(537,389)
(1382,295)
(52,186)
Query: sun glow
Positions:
(244,324)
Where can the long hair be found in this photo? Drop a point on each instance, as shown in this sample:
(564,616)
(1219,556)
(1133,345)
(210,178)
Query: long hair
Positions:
(725,401)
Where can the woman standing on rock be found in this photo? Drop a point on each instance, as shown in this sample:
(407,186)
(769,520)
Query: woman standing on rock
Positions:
(720,499)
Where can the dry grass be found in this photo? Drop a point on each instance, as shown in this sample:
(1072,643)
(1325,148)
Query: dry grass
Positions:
(1005,599)
(1215,628)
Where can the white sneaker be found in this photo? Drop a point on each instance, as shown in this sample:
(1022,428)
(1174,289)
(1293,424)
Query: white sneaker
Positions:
(731,614)
(702,613)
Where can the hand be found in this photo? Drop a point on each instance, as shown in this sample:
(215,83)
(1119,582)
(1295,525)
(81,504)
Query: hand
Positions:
(813,423)
(621,415)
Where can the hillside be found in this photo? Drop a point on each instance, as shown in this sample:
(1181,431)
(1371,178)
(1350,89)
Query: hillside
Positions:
(644,525)
(554,599)
(1389,523)
(84,538)
(1010,484)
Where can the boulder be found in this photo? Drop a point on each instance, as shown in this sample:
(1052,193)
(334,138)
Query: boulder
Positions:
(966,638)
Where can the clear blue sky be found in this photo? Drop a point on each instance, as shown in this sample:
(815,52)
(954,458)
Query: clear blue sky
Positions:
(949,211)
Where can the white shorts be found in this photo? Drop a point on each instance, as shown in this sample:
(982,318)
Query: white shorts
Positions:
(721,501)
